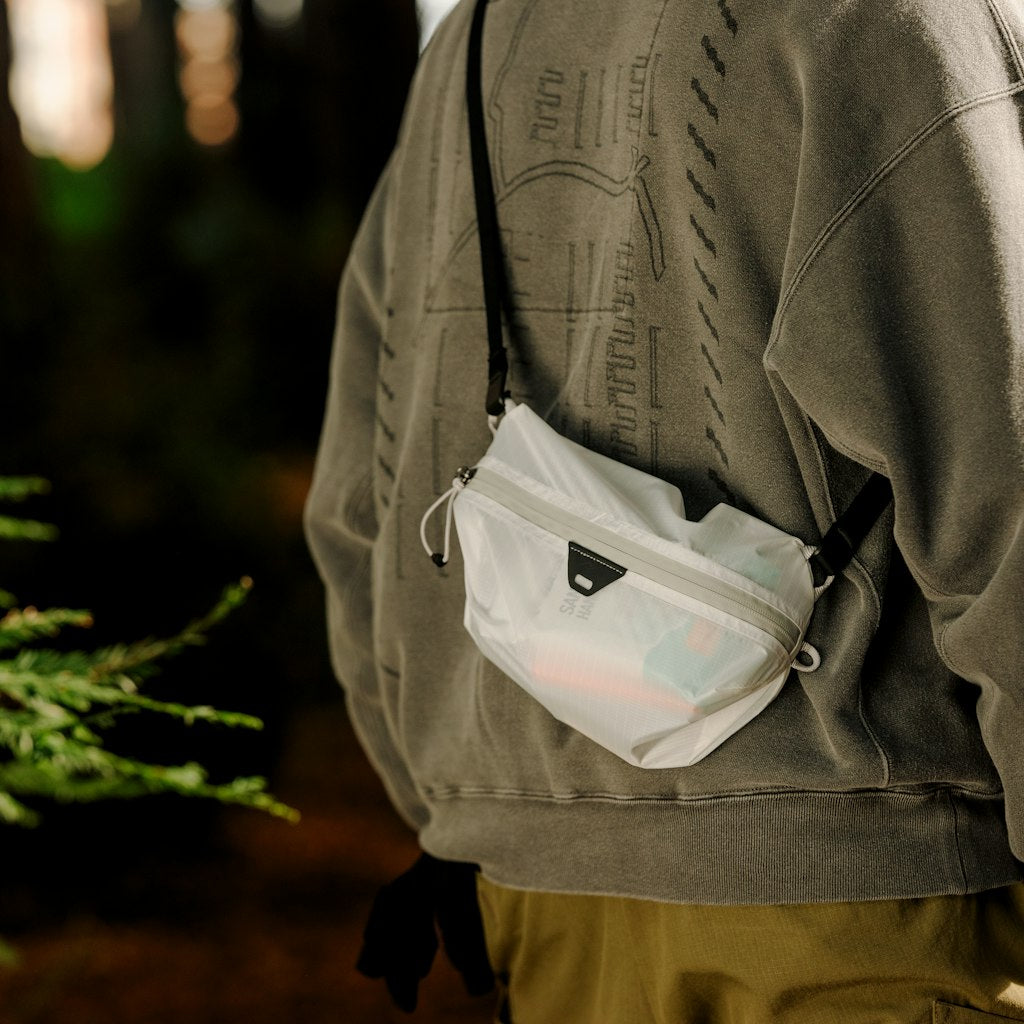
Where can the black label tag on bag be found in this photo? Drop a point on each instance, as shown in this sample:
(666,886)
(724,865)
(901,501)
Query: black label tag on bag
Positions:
(589,572)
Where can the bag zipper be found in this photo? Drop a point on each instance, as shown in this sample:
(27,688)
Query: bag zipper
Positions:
(687,580)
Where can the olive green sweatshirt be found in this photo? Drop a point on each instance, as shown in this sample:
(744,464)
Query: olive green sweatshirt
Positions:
(759,250)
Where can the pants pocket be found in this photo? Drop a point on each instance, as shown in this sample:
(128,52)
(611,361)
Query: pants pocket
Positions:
(947,1013)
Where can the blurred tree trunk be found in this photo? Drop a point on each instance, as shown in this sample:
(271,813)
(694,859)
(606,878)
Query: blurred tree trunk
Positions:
(26,305)
(363,56)
(18,239)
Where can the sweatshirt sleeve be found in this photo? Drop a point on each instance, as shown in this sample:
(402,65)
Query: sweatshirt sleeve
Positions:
(340,517)
(902,339)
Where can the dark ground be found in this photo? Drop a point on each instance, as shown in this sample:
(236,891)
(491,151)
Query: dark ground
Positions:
(261,927)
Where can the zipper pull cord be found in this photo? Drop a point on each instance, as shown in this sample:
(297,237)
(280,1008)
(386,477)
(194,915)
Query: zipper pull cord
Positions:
(440,558)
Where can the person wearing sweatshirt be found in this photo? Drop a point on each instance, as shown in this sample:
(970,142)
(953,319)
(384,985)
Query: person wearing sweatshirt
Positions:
(759,251)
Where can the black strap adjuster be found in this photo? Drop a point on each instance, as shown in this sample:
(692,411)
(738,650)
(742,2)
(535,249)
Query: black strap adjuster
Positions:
(839,544)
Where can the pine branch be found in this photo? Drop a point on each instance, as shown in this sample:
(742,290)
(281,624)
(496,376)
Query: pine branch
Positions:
(22,626)
(18,488)
(128,658)
(55,705)
(25,529)
(82,693)
(14,813)
(88,774)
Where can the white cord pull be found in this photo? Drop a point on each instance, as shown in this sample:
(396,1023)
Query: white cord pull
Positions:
(440,558)
(808,659)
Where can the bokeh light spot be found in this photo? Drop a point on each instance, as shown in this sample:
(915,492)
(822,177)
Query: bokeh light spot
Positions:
(278,13)
(212,120)
(207,34)
(62,82)
(200,78)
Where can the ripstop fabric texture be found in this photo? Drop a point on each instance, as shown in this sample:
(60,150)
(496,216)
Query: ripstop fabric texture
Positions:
(692,636)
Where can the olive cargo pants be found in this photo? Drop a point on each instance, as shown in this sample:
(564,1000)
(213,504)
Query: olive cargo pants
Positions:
(568,959)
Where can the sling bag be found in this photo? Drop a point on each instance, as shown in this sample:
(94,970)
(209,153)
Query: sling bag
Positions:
(656,636)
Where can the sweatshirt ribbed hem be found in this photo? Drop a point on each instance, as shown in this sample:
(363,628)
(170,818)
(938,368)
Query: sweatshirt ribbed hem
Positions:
(750,849)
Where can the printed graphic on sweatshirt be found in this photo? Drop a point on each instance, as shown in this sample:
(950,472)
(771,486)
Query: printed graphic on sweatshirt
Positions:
(578,125)
(578,134)
(707,119)
(570,137)
(564,136)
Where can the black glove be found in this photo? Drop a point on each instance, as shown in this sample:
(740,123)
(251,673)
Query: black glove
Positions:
(400,938)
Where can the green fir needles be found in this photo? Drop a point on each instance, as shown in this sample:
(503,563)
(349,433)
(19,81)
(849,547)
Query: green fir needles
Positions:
(55,704)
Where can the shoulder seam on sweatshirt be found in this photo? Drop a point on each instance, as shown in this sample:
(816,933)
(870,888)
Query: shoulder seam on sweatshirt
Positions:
(870,184)
(1004,31)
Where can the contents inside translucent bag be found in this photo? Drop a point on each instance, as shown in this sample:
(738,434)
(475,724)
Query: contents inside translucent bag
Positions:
(650,670)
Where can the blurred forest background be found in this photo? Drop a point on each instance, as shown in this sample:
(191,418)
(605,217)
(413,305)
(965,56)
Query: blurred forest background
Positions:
(169,258)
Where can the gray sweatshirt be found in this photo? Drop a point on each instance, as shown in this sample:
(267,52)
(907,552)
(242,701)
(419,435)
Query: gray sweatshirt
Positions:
(758,250)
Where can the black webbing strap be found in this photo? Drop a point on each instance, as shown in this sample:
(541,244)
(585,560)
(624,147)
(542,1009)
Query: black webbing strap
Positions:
(491,263)
(846,533)
(844,537)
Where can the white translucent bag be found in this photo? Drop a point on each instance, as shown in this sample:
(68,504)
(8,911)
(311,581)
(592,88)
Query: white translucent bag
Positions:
(655,636)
